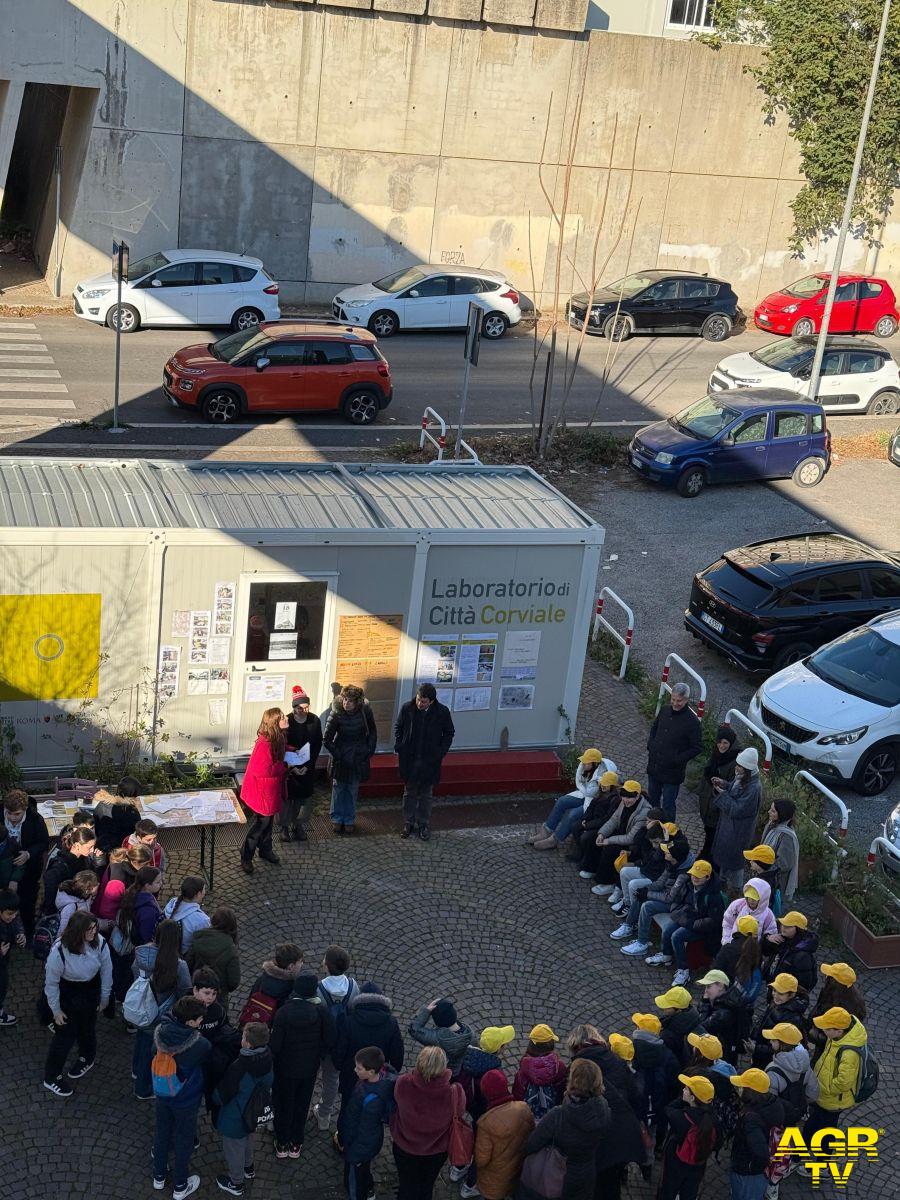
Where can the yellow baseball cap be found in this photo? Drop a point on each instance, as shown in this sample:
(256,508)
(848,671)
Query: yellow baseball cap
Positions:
(632,787)
(753,1078)
(676,997)
(496,1036)
(609,779)
(622,1047)
(670,827)
(793,918)
(785,982)
(700,869)
(835,1018)
(760,854)
(714,976)
(649,1022)
(747,925)
(591,756)
(842,972)
(700,1086)
(750,892)
(783,1032)
(542,1033)
(707,1043)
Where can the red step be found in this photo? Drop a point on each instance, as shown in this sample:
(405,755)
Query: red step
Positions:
(475,773)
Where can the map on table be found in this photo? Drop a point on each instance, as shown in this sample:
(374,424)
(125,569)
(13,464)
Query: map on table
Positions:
(171,810)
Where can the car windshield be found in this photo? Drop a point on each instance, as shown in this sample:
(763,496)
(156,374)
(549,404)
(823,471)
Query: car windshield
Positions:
(143,266)
(862,663)
(630,285)
(229,349)
(400,279)
(705,419)
(785,355)
(803,289)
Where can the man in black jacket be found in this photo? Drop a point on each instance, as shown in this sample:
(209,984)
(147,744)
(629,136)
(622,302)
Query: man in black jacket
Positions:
(30,840)
(422,736)
(304,729)
(302,1034)
(674,740)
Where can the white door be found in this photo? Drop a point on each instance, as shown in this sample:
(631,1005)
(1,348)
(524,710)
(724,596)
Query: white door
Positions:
(427,304)
(283,634)
(169,296)
(219,294)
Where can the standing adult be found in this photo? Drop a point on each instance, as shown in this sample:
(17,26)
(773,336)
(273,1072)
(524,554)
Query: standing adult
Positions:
(425,1103)
(674,740)
(738,804)
(263,788)
(422,736)
(303,729)
(781,835)
(719,765)
(28,834)
(576,1128)
(350,738)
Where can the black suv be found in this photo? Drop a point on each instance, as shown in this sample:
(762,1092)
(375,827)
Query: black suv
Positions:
(658,302)
(770,604)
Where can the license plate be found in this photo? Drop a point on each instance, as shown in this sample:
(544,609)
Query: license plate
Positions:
(762,317)
(779,743)
(636,462)
(718,626)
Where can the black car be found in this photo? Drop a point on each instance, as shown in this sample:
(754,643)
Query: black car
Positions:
(658,302)
(769,604)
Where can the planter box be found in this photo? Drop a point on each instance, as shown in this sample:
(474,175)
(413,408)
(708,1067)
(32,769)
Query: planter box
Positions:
(872,951)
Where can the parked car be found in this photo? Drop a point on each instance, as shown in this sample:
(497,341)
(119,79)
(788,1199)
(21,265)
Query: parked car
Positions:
(857,376)
(770,604)
(658,301)
(894,447)
(183,287)
(750,435)
(891,859)
(862,304)
(430,297)
(307,366)
(838,711)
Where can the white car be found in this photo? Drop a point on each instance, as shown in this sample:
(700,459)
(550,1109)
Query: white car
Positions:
(183,287)
(857,375)
(430,298)
(839,709)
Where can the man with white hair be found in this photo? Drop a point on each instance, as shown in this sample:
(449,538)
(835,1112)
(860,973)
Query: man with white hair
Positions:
(674,740)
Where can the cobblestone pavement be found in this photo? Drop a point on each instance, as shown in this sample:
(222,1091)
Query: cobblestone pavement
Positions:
(512,935)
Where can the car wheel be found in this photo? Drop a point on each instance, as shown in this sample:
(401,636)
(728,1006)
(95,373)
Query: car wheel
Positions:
(803,328)
(128,322)
(716,328)
(809,472)
(494,325)
(245,318)
(221,406)
(360,407)
(691,482)
(788,655)
(885,327)
(884,404)
(618,328)
(383,323)
(877,770)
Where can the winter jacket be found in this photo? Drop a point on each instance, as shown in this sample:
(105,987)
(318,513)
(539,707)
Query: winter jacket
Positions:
(298,735)
(64,866)
(453,1042)
(738,809)
(615,1072)
(216,949)
(750,1147)
(252,1069)
(674,740)
(77,968)
(158,858)
(500,1137)
(190,1051)
(838,1066)
(784,841)
(368,1021)
(673,885)
(728,1017)
(576,1128)
(544,1071)
(718,766)
(263,787)
(67,906)
(423,1112)
(11,931)
(350,739)
(740,908)
(32,836)
(190,916)
(786,1068)
(364,1115)
(623,1143)
(113,883)
(796,956)
(275,982)
(421,739)
(676,1025)
(9,872)
(701,911)
(637,818)
(145,961)
(302,1034)
(114,821)
(147,915)
(682,1118)
(793,1011)
(644,854)
(656,1067)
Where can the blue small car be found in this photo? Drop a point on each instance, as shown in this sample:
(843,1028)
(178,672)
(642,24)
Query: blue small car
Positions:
(735,437)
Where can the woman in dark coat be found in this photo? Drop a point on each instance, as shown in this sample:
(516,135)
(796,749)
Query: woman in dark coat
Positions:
(350,738)
(719,765)
(303,729)
(28,833)
(738,803)
(576,1128)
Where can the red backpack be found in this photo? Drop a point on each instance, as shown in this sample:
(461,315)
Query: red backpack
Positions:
(259,1007)
(699,1142)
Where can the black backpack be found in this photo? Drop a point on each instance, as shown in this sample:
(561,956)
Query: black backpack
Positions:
(868,1072)
(793,1098)
(256,1106)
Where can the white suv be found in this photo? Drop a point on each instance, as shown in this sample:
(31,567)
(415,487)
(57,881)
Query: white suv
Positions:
(857,375)
(183,287)
(839,709)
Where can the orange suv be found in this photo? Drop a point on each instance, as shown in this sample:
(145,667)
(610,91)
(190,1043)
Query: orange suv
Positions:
(282,367)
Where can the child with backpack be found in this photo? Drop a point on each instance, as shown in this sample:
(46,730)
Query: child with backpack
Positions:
(788,1003)
(74,895)
(12,933)
(693,1137)
(368,1109)
(846,1070)
(187,909)
(177,1072)
(303,1033)
(336,990)
(161,976)
(274,985)
(243,1093)
(760,1115)
(541,1078)
(793,1081)
(222,1036)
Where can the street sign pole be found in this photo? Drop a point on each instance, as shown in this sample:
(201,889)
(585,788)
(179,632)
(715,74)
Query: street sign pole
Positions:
(473,345)
(120,267)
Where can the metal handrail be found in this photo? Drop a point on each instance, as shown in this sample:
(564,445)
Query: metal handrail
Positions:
(665,686)
(756,731)
(877,844)
(599,619)
(440,442)
(843,809)
(464,445)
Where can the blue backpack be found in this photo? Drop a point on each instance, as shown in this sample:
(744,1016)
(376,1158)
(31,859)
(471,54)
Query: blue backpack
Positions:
(338,1008)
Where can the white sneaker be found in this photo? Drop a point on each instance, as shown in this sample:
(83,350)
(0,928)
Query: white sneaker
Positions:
(615,897)
(189,1188)
(619,907)
(585,874)
(602,889)
(624,931)
(458,1173)
(681,977)
(636,948)
(659,960)
(322,1120)
(468,1192)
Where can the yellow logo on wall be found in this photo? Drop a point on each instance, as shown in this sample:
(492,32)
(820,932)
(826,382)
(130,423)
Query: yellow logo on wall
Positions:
(49,647)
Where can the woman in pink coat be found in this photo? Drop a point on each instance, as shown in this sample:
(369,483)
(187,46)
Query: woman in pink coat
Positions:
(263,788)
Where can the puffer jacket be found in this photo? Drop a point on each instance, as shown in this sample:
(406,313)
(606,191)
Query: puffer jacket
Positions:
(701,911)
(792,1012)
(750,1147)
(576,1128)
(350,739)
(740,908)
(795,956)
(728,1017)
(656,1067)
(368,1021)
(544,1071)
(672,886)
(190,1051)
(500,1137)
(676,1025)
(838,1067)
(635,821)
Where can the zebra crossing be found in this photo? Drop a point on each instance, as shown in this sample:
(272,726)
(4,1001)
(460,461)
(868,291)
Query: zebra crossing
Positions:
(29,382)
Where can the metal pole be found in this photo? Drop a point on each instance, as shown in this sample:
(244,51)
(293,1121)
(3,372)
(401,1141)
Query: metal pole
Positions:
(848,207)
(56,282)
(115,424)
(462,410)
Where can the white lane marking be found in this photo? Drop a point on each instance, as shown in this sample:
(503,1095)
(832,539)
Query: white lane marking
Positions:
(21,337)
(17,325)
(31,347)
(35,402)
(24,373)
(25,358)
(33,387)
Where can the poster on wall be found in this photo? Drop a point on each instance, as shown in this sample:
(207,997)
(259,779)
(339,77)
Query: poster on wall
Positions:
(198,681)
(518,672)
(264,689)
(219,681)
(472,699)
(219,651)
(199,645)
(218,711)
(286,614)
(169,667)
(181,622)
(223,609)
(437,660)
(282,646)
(445,696)
(516,696)
(477,654)
(522,648)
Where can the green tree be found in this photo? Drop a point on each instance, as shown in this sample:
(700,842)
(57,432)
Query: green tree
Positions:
(815,67)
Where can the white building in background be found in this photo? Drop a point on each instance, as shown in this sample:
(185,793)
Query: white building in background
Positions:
(656,18)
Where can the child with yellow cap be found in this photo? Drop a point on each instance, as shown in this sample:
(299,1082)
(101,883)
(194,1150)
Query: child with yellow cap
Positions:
(484,1057)
(839,990)
(586,1041)
(761,865)
(569,808)
(792,949)
(541,1078)
(598,812)
(618,834)
(788,1003)
(656,1068)
(679,1017)
(790,1075)
(740,958)
(839,1068)
(753,902)
(759,1113)
(693,1136)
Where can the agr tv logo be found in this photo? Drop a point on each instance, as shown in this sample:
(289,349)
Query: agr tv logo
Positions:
(832,1153)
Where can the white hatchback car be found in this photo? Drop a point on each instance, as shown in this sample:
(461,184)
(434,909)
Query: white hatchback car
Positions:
(430,298)
(839,709)
(857,375)
(183,287)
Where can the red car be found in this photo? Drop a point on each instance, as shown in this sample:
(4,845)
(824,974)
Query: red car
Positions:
(282,367)
(862,304)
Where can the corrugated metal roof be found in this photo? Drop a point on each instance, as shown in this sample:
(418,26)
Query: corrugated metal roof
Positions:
(105,494)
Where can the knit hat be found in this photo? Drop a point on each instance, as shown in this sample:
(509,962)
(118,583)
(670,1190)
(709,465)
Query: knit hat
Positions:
(753,1078)
(784,1032)
(542,1033)
(747,925)
(493,1085)
(785,983)
(749,759)
(715,976)
(609,779)
(371,989)
(632,787)
(725,733)
(842,972)
(676,997)
(760,854)
(444,1014)
(495,1037)
(649,1022)
(700,869)
(750,892)
(622,1047)
(305,985)
(591,756)
(794,918)
(700,1086)
(835,1018)
(298,696)
(707,1043)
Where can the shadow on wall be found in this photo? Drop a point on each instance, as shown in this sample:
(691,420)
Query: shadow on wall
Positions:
(597,17)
